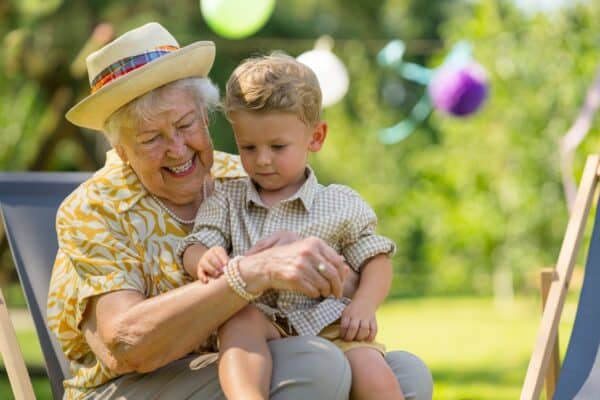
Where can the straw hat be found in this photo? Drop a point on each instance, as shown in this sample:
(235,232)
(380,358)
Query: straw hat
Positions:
(134,64)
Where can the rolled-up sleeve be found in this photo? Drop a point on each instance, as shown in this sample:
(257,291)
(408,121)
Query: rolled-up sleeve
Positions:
(212,227)
(361,242)
(95,257)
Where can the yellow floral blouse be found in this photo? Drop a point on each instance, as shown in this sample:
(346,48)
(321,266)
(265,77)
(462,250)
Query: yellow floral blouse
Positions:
(112,236)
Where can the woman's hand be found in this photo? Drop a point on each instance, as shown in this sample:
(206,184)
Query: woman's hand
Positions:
(279,238)
(308,266)
(358,322)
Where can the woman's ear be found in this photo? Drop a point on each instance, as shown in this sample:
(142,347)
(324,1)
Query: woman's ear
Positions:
(121,153)
(318,136)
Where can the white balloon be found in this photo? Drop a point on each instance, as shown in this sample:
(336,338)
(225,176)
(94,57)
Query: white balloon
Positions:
(331,73)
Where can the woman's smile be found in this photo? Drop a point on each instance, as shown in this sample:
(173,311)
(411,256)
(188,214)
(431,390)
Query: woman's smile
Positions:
(184,169)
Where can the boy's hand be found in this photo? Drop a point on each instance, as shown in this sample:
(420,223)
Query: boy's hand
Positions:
(212,263)
(358,322)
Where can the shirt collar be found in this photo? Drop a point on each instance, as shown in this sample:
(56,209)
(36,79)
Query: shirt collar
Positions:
(305,194)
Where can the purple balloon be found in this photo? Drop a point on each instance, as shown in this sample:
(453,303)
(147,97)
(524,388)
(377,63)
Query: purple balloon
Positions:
(459,91)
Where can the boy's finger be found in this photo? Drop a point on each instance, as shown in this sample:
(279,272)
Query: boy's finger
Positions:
(201,276)
(372,330)
(352,330)
(363,331)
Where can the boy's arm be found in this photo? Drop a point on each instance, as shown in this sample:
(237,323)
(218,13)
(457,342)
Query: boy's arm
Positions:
(191,258)
(358,320)
(375,281)
(201,262)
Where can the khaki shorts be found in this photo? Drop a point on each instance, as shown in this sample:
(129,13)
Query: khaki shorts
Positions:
(331,333)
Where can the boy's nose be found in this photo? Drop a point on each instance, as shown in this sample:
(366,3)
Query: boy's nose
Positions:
(263,158)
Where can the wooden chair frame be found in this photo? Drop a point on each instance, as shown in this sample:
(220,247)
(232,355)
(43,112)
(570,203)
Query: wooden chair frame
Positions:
(560,280)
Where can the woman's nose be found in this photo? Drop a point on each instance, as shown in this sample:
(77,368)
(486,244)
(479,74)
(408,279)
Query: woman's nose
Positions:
(177,145)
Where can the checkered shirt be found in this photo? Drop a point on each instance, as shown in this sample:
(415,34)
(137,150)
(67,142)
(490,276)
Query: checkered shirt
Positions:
(235,218)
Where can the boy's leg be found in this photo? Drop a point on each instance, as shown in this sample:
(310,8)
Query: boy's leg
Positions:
(372,378)
(245,362)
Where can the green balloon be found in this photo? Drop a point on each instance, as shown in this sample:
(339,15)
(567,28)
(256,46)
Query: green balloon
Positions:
(236,19)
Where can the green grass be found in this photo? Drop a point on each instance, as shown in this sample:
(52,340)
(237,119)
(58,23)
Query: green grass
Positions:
(476,349)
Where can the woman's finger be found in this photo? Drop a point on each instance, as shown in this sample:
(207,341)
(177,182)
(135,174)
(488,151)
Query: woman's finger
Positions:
(308,289)
(315,279)
(331,278)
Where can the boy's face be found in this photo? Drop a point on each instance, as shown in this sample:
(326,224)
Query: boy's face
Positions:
(274,148)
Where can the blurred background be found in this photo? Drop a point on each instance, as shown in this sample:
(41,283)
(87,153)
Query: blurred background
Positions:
(475,201)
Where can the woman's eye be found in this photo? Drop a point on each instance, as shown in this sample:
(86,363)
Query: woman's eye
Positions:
(149,140)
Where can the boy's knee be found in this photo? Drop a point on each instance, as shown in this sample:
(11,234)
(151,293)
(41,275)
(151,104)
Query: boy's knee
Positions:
(248,319)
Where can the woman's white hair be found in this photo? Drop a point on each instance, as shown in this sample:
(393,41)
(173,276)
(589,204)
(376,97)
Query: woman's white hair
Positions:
(204,92)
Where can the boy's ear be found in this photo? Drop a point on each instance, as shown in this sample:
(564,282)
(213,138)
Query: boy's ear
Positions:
(318,136)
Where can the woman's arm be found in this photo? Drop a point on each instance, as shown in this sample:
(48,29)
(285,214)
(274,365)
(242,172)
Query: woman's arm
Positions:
(131,333)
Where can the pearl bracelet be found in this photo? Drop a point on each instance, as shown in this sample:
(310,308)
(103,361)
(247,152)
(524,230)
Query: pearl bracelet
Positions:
(234,279)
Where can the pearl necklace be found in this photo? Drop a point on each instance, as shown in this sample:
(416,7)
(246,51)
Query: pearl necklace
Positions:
(171,213)
(177,218)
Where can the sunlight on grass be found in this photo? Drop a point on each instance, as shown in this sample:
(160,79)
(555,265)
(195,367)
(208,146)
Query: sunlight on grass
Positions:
(475,349)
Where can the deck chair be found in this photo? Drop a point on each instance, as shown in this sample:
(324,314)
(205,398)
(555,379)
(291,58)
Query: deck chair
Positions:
(28,205)
(579,376)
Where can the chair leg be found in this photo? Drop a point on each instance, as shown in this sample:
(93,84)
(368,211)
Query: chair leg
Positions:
(12,356)
(547,275)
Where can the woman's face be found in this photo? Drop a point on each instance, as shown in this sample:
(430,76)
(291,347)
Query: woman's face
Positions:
(172,152)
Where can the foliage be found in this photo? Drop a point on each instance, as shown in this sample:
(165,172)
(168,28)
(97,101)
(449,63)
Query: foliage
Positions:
(471,199)
(465,199)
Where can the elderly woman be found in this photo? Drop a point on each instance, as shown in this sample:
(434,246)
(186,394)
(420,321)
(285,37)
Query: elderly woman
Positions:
(130,320)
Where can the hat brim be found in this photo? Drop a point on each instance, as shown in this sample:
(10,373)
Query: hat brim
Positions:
(194,60)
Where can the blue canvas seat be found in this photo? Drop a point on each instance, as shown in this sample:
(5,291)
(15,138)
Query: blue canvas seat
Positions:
(28,204)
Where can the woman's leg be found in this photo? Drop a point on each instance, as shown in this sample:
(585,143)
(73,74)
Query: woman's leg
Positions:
(308,367)
(245,359)
(303,368)
(372,378)
(412,374)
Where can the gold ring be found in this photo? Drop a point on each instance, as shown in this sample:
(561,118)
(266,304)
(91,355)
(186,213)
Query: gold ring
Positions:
(321,267)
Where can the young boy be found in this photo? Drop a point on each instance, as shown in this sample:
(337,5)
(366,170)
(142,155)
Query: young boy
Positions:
(273,103)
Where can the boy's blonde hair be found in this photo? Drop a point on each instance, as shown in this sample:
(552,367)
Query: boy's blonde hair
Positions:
(275,82)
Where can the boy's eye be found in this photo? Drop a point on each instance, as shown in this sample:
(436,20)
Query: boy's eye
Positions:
(278,146)
(247,148)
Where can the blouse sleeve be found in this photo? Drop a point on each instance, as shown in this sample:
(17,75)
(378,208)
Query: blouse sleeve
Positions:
(94,243)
